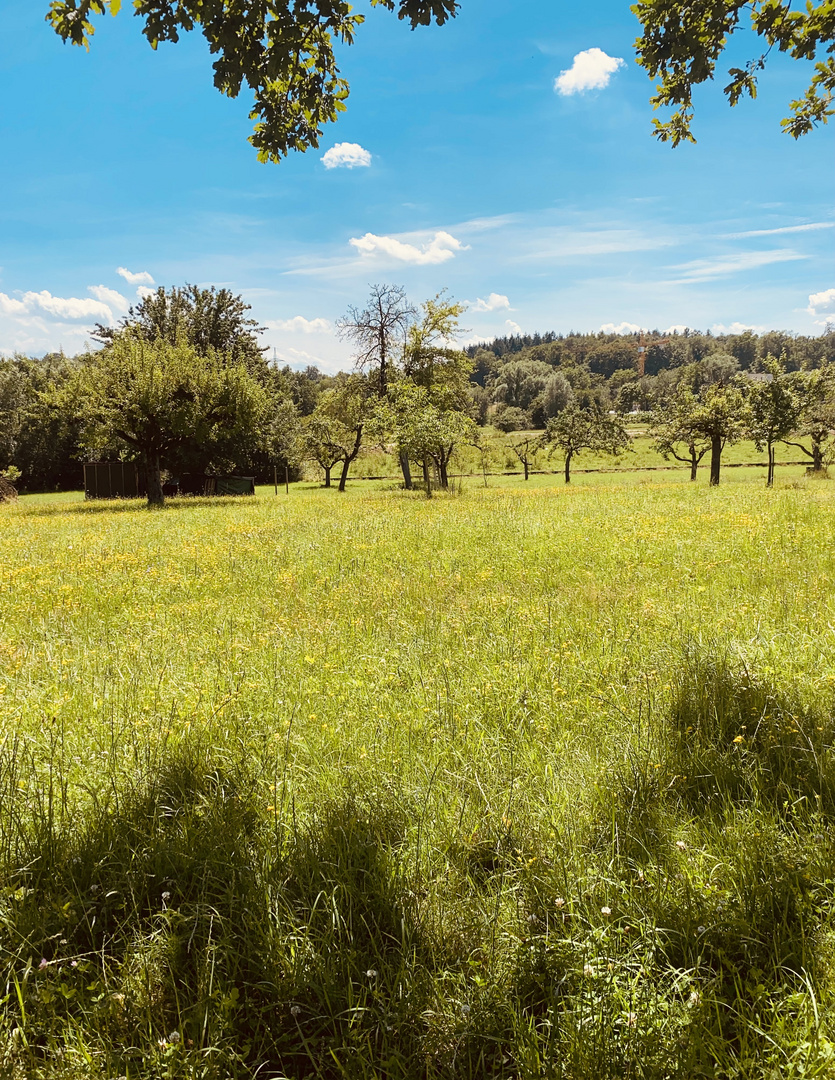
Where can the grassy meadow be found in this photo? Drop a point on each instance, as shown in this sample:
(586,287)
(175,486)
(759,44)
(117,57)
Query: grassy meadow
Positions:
(518,781)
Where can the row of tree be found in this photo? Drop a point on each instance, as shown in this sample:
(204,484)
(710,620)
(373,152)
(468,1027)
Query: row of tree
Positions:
(182,385)
(771,407)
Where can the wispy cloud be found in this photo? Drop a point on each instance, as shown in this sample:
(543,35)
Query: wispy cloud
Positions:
(699,270)
(346,155)
(440,248)
(591,70)
(513,327)
(494,302)
(142,278)
(812,226)
(567,242)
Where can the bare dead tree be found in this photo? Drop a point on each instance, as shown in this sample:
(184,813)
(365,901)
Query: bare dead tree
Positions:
(377,330)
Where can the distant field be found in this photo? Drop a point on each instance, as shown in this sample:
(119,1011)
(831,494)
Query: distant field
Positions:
(499,458)
(523,781)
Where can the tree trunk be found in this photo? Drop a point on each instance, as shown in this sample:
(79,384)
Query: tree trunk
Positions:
(525,463)
(442,461)
(346,464)
(568,457)
(327,469)
(770,479)
(426,478)
(407,472)
(817,456)
(154,480)
(694,462)
(715,459)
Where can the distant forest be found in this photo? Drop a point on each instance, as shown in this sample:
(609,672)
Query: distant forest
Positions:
(523,380)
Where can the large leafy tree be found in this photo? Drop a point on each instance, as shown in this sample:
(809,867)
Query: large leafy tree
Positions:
(283,50)
(207,319)
(683,40)
(154,398)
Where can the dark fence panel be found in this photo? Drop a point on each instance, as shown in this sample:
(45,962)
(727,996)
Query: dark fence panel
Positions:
(112,480)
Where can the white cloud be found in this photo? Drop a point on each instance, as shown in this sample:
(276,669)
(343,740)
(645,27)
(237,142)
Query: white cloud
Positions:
(735,328)
(494,302)
(113,299)
(700,270)
(300,325)
(819,302)
(440,249)
(513,327)
(142,278)
(621,328)
(591,70)
(70,307)
(10,306)
(677,328)
(299,359)
(347,155)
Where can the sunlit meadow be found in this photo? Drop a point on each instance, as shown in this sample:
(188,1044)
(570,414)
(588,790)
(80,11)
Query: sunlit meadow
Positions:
(518,781)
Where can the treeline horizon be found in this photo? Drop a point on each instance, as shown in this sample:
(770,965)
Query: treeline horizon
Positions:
(513,383)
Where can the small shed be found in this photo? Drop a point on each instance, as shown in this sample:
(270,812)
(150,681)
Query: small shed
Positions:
(112,480)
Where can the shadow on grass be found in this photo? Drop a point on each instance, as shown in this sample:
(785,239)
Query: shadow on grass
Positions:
(122,506)
(721,842)
(293,950)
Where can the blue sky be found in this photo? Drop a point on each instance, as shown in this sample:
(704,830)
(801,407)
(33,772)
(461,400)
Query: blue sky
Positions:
(471,172)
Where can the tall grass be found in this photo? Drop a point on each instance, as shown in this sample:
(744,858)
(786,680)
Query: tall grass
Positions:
(511,783)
